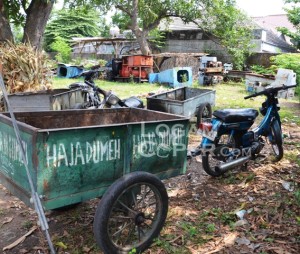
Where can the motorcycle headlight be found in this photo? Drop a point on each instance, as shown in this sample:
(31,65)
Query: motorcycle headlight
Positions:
(112,99)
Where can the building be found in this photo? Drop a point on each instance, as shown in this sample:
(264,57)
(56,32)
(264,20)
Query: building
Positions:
(268,38)
(189,37)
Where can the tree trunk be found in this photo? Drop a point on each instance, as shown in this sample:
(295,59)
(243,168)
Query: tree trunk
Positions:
(38,14)
(141,38)
(5,30)
(141,35)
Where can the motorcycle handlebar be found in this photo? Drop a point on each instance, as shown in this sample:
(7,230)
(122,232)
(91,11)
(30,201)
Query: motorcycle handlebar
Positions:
(269,91)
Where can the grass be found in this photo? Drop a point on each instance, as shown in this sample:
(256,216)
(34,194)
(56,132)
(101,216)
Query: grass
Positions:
(121,89)
(293,156)
(231,95)
(196,231)
(228,95)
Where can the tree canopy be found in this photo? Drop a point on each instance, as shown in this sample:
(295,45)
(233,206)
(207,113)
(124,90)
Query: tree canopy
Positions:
(69,23)
(294,17)
(220,18)
(32,15)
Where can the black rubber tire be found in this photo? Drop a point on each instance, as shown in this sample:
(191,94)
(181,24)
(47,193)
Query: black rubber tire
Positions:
(204,112)
(275,138)
(130,185)
(208,156)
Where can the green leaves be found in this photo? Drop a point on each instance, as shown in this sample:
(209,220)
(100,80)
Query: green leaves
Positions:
(232,28)
(69,23)
(218,17)
(294,17)
(16,11)
(63,49)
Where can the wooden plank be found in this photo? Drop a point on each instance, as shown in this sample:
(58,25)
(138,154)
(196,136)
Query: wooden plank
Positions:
(213,69)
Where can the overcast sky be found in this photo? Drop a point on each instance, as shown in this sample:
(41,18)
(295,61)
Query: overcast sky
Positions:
(252,7)
(256,8)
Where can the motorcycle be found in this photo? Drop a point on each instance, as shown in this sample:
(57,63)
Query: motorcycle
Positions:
(227,141)
(93,95)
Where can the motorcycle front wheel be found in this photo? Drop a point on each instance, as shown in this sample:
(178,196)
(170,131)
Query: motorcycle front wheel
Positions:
(275,139)
(225,148)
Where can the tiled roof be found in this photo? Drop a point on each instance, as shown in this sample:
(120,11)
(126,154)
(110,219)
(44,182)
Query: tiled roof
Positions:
(271,22)
(273,39)
(267,23)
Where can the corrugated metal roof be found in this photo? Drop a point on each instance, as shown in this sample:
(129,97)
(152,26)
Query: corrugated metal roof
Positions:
(177,24)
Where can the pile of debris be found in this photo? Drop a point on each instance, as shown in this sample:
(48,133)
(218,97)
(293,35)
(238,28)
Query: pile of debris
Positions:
(24,69)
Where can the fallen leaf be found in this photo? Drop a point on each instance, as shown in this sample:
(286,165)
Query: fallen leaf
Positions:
(279,250)
(6,220)
(240,223)
(242,240)
(198,159)
(66,233)
(23,251)
(230,239)
(173,193)
(61,244)
(86,249)
(20,240)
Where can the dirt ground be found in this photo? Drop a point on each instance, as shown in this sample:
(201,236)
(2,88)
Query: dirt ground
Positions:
(203,212)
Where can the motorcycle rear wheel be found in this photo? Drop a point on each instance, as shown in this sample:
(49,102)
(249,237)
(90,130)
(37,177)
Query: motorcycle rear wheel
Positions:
(224,145)
(275,139)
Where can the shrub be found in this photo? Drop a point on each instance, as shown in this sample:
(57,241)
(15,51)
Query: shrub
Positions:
(63,50)
(289,61)
(262,70)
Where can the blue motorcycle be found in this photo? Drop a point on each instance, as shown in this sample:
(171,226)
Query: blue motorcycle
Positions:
(227,141)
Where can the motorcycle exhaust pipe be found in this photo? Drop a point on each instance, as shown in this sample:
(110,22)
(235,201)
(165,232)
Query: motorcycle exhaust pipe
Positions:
(231,164)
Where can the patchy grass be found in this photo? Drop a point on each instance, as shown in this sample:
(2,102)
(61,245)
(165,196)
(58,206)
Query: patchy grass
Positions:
(228,95)
(293,155)
(201,216)
(231,95)
(27,224)
(121,89)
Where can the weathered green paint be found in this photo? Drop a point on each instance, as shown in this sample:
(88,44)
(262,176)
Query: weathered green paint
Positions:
(12,166)
(73,164)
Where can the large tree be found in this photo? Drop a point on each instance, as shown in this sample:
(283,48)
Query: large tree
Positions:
(146,15)
(294,17)
(75,22)
(32,15)
(220,18)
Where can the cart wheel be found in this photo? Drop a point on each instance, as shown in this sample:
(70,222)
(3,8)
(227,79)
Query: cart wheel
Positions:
(131,213)
(204,112)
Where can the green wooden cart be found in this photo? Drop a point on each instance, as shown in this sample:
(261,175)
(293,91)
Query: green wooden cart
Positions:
(120,155)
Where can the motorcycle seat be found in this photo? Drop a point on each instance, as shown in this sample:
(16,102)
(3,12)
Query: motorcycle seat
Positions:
(236,115)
